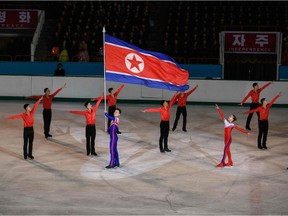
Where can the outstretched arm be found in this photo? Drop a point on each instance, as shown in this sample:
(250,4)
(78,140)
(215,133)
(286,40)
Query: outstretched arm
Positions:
(34,96)
(172,100)
(119,90)
(36,105)
(108,116)
(241,129)
(56,92)
(15,116)
(265,86)
(245,98)
(152,110)
(220,112)
(98,103)
(274,99)
(97,98)
(252,111)
(192,90)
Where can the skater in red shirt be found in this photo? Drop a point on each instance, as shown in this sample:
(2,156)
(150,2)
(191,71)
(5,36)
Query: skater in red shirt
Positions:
(164,125)
(47,105)
(112,102)
(90,115)
(229,125)
(255,96)
(28,134)
(263,120)
(181,108)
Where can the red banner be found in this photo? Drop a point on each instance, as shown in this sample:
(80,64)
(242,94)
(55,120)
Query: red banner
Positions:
(18,19)
(250,42)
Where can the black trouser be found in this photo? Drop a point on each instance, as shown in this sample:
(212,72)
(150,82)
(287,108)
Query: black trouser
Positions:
(164,133)
(111,110)
(180,110)
(47,115)
(90,138)
(28,136)
(252,106)
(263,131)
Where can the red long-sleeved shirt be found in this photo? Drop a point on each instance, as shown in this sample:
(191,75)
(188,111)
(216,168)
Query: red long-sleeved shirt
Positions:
(182,99)
(89,115)
(47,101)
(264,112)
(165,113)
(112,99)
(27,119)
(255,95)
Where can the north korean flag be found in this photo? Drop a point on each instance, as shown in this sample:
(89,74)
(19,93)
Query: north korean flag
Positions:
(127,63)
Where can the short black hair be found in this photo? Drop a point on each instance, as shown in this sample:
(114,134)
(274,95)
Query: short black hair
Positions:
(119,110)
(234,118)
(263,99)
(162,102)
(110,90)
(25,106)
(86,103)
(45,89)
(254,84)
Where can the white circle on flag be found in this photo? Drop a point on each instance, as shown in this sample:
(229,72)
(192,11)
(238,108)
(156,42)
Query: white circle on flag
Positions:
(134,63)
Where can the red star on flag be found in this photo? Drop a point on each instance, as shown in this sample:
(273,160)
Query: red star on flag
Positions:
(134,63)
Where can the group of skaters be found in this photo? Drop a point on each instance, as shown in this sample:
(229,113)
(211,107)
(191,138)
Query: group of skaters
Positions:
(90,115)
(262,109)
(114,113)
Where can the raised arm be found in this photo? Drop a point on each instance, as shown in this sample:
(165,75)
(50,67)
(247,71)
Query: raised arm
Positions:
(274,99)
(265,86)
(119,90)
(192,90)
(56,92)
(241,129)
(220,112)
(36,105)
(112,118)
(172,100)
(98,103)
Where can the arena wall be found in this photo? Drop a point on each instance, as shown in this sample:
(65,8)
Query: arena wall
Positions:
(209,91)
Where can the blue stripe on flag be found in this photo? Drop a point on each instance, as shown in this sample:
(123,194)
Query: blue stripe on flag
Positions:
(146,82)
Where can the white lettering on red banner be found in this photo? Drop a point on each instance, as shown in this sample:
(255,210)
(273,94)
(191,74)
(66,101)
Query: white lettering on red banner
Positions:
(239,40)
(250,42)
(18,19)
(24,17)
(2,16)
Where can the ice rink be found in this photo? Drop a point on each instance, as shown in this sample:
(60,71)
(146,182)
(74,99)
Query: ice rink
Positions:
(63,180)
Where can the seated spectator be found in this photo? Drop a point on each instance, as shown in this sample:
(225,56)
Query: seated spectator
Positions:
(83,55)
(59,71)
(63,56)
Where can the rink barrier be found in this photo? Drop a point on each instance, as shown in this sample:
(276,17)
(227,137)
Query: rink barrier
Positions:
(93,69)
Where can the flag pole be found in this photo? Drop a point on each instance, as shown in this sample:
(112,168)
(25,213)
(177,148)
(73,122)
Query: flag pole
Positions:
(104,60)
